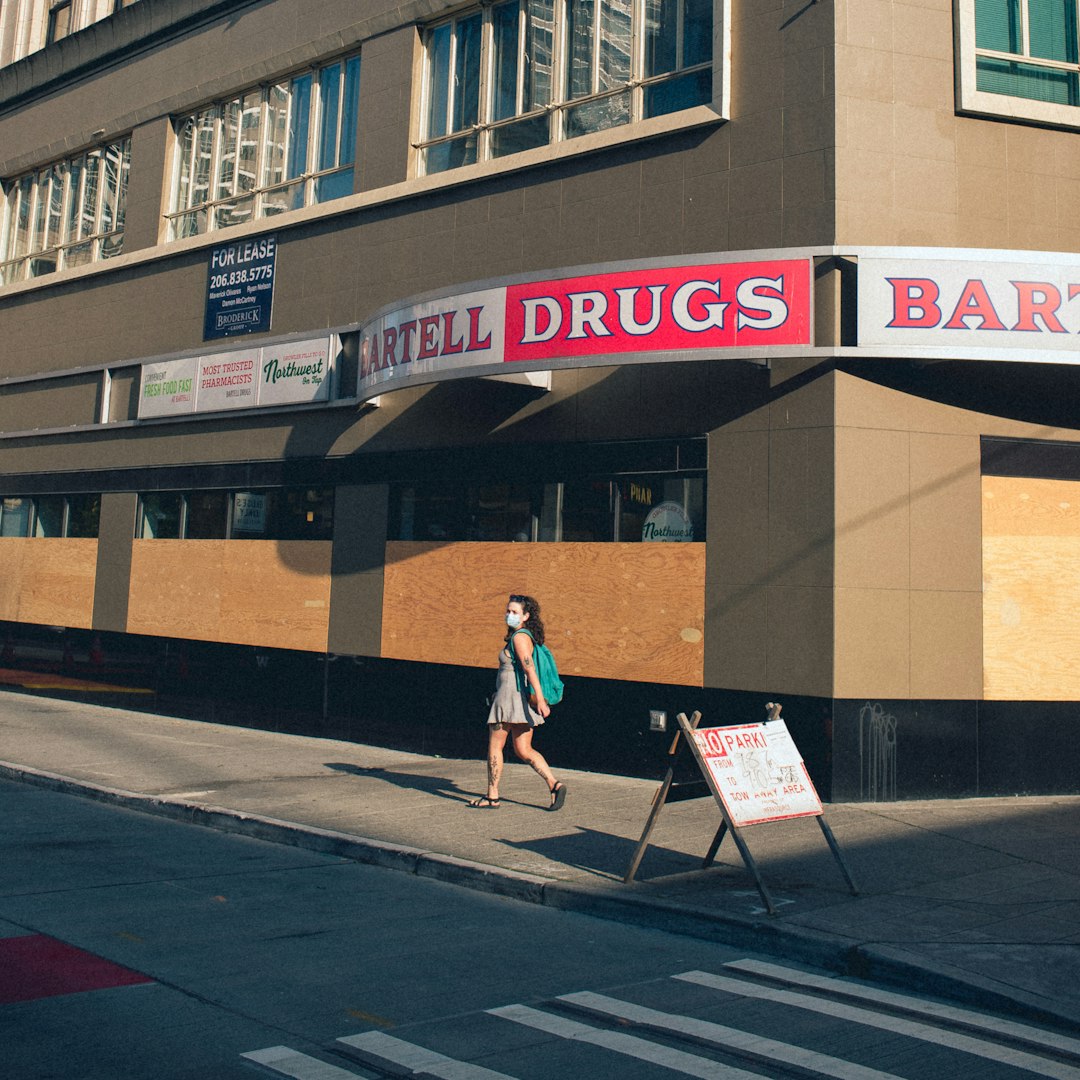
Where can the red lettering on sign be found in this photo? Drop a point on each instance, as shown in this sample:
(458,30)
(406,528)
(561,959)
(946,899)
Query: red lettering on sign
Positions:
(914,303)
(1038,299)
(389,344)
(429,337)
(476,342)
(974,302)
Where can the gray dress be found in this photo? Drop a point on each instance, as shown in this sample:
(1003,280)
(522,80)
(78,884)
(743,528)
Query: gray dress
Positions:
(508,706)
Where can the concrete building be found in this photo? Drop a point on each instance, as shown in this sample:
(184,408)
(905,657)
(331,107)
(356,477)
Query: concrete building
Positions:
(741,334)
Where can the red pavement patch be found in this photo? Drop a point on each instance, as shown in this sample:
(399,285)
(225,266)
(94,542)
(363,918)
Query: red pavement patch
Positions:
(36,680)
(36,966)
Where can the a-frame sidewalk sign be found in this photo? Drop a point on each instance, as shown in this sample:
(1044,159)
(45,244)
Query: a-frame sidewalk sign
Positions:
(756,775)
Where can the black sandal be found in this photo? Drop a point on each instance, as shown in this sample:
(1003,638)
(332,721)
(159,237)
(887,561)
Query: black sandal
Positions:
(558,795)
(485,802)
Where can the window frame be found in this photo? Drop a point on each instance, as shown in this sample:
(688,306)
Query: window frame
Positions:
(52,21)
(188,216)
(551,514)
(318,495)
(33,517)
(36,189)
(560,104)
(983,102)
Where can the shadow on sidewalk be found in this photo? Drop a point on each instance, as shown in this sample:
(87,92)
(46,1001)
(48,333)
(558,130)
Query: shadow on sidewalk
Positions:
(442,786)
(607,855)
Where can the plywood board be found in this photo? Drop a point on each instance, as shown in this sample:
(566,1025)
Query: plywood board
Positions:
(249,592)
(1031,589)
(618,611)
(48,581)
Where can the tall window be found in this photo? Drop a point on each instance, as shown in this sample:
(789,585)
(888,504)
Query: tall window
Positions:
(59,21)
(1021,59)
(50,515)
(627,508)
(523,73)
(263,514)
(272,149)
(1028,48)
(66,214)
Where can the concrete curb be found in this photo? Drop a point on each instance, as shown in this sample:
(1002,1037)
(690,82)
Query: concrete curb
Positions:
(764,935)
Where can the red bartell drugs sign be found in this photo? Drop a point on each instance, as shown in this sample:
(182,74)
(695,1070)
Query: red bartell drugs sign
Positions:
(651,313)
(720,306)
(758,772)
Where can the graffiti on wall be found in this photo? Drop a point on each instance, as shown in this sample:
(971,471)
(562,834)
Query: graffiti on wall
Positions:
(877,753)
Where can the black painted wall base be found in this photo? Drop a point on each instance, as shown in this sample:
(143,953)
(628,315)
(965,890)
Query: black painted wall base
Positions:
(855,750)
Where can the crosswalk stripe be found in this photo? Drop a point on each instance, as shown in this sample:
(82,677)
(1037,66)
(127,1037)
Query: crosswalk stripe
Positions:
(838,988)
(758,1046)
(912,1028)
(291,1063)
(631,1045)
(376,1047)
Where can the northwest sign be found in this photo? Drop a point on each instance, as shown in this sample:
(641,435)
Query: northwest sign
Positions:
(646,313)
(668,522)
(758,772)
(988,303)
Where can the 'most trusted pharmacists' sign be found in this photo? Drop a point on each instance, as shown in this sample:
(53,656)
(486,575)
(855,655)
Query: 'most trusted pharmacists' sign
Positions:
(290,373)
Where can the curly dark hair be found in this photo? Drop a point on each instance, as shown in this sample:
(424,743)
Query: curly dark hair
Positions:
(534,624)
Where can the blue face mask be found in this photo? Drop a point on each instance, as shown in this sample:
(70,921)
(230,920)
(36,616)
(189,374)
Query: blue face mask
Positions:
(513,620)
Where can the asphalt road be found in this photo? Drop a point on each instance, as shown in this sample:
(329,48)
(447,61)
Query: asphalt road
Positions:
(133,947)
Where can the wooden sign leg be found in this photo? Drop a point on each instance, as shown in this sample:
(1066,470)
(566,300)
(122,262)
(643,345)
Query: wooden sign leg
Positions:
(658,804)
(659,798)
(714,847)
(835,848)
(744,851)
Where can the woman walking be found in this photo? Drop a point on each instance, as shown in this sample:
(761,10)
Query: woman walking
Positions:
(518,707)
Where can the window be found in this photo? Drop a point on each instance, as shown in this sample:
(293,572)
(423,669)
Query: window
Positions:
(59,22)
(269,150)
(649,506)
(1021,58)
(515,75)
(66,214)
(50,516)
(267,514)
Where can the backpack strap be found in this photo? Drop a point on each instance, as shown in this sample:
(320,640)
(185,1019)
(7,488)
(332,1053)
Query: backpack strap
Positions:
(519,672)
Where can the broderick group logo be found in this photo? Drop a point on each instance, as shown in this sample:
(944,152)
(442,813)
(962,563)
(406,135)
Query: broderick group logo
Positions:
(666,311)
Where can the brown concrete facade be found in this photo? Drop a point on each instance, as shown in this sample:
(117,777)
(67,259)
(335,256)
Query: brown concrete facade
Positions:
(843,558)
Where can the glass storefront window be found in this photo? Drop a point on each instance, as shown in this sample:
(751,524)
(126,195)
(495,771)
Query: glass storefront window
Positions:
(84,515)
(161,515)
(49,515)
(15,517)
(271,514)
(207,515)
(645,507)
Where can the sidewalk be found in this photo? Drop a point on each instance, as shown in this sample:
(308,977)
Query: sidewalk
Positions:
(977,899)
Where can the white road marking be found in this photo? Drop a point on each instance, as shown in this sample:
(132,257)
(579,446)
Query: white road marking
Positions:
(380,1047)
(291,1063)
(912,1028)
(716,1034)
(631,1045)
(839,988)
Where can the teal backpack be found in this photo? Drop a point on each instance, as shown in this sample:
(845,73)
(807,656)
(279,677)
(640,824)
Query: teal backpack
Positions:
(546,670)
